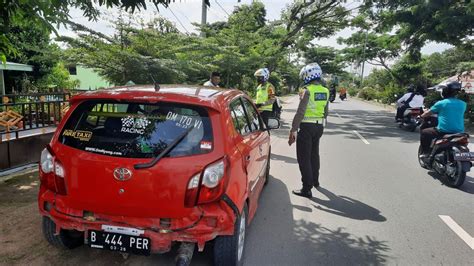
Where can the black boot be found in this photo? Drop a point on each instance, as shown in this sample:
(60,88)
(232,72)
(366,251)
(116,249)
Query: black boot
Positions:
(303,193)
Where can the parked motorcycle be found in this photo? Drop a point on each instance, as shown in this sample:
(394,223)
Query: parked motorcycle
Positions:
(410,119)
(449,157)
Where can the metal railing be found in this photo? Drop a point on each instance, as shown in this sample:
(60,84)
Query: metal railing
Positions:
(37,111)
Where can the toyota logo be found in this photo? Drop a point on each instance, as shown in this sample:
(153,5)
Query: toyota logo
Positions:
(122,174)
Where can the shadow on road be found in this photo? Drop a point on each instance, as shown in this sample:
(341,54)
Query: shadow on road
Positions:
(347,207)
(370,124)
(276,238)
(283,158)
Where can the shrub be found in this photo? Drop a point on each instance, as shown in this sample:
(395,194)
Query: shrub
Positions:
(352,91)
(391,93)
(368,93)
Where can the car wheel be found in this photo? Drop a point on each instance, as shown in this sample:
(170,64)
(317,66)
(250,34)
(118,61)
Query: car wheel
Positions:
(229,250)
(66,239)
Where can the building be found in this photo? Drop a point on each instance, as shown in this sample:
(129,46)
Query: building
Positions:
(88,78)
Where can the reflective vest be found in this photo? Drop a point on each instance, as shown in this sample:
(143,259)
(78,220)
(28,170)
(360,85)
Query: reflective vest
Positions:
(318,100)
(262,96)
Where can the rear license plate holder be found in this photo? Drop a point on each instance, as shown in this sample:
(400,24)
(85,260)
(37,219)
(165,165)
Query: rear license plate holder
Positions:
(464,156)
(119,242)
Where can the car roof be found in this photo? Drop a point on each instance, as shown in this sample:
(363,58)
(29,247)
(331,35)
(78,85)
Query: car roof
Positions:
(193,94)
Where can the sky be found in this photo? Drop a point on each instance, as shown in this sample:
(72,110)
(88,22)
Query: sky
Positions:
(185,12)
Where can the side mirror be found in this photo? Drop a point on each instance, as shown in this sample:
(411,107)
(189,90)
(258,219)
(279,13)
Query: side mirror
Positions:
(273,123)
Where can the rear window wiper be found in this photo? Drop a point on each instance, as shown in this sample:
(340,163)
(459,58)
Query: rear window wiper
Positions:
(165,151)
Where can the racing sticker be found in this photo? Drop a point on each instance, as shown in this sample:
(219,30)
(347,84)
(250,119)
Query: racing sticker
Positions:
(78,134)
(320,96)
(134,125)
(206,145)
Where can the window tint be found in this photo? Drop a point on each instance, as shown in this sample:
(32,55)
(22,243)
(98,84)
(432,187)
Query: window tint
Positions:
(252,115)
(239,118)
(134,130)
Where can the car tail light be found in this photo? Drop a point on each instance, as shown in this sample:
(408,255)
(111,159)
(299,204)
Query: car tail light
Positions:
(207,186)
(52,172)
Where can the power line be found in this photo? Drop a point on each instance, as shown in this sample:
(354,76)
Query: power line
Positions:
(221,7)
(169,8)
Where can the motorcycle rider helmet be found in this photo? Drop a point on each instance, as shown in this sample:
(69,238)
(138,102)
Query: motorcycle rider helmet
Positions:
(311,72)
(411,88)
(450,89)
(264,73)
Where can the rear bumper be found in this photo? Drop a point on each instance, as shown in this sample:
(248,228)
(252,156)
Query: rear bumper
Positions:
(204,224)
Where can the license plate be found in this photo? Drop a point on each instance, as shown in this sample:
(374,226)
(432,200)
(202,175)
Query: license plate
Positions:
(119,242)
(464,156)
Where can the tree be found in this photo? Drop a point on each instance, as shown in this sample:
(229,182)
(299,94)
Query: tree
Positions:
(48,13)
(329,59)
(419,21)
(307,20)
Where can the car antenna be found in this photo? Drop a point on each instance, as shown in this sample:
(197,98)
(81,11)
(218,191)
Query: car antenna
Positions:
(157,86)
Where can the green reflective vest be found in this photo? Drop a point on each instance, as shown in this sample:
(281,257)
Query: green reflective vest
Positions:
(318,100)
(262,97)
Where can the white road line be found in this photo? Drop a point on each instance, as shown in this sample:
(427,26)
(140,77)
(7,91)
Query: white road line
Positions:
(361,137)
(458,230)
(338,115)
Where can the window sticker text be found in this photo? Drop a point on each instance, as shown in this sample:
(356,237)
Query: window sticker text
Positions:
(78,134)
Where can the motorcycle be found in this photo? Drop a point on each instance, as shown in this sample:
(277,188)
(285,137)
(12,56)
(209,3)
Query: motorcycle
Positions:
(449,157)
(332,95)
(410,120)
(342,96)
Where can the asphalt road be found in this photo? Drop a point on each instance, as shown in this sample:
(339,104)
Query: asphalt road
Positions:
(376,205)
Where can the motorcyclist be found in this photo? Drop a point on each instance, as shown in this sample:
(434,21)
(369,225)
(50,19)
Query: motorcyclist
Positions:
(307,127)
(450,112)
(412,99)
(265,96)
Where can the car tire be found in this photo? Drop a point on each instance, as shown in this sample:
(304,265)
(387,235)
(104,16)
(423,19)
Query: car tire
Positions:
(229,250)
(66,239)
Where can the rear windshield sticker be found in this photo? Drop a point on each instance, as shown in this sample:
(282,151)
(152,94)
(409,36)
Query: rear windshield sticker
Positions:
(320,97)
(96,150)
(78,134)
(184,121)
(134,125)
(206,145)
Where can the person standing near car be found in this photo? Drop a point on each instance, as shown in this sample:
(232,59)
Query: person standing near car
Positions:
(265,96)
(214,80)
(312,110)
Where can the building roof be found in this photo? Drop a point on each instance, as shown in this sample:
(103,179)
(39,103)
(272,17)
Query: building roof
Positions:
(16,67)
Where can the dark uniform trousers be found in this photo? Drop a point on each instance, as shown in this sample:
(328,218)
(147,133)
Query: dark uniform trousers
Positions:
(307,153)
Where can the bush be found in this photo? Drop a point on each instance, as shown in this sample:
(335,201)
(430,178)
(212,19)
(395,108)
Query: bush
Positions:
(368,93)
(391,94)
(352,91)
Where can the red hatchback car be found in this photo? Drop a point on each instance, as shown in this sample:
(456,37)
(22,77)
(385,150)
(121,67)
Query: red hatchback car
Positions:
(136,170)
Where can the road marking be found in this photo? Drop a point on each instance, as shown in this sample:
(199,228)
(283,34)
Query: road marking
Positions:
(338,115)
(458,230)
(361,137)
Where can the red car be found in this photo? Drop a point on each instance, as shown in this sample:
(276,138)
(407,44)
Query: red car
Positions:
(135,170)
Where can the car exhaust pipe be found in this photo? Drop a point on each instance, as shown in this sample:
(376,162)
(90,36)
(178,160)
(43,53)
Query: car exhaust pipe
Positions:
(185,254)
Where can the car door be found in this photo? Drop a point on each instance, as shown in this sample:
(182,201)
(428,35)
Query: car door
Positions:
(260,143)
(245,141)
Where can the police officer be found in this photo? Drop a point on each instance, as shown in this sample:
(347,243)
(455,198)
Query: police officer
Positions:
(309,117)
(265,94)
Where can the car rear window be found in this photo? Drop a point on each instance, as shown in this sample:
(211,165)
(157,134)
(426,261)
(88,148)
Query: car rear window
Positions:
(137,130)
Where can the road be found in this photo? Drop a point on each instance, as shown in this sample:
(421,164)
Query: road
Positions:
(376,205)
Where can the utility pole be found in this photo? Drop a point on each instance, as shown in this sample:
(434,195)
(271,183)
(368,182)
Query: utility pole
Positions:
(363,59)
(203,17)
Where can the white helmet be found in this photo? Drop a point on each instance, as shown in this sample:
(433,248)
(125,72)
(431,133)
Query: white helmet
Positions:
(262,72)
(310,72)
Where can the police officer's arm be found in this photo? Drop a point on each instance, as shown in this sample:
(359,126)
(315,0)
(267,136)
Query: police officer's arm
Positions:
(300,112)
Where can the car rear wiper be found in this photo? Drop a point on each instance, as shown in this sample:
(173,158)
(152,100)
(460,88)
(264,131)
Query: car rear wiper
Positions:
(164,152)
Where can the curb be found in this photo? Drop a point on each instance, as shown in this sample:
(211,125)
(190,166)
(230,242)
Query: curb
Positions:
(12,173)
